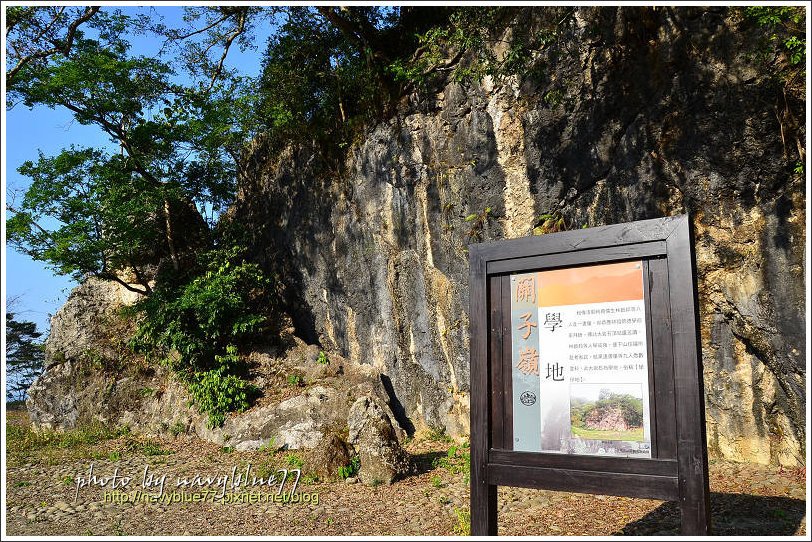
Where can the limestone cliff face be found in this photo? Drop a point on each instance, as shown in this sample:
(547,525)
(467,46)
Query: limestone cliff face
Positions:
(635,117)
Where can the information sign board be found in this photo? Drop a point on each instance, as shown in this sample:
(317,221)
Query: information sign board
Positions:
(586,370)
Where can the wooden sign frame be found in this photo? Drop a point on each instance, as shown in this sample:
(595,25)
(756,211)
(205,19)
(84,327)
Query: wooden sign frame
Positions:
(678,467)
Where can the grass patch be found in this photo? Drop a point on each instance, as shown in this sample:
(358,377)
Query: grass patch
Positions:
(462,527)
(270,446)
(266,468)
(146,392)
(295,462)
(26,445)
(145,446)
(438,435)
(457,460)
(177,429)
(635,434)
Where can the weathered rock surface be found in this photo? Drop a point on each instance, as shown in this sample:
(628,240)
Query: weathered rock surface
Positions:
(329,455)
(636,115)
(88,322)
(373,438)
(298,422)
(91,375)
(91,379)
(606,419)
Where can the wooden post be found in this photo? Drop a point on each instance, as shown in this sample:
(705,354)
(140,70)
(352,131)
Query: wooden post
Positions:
(692,458)
(483,495)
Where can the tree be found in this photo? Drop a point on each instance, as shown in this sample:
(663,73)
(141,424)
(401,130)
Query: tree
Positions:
(144,213)
(124,216)
(25,356)
(37,33)
(92,212)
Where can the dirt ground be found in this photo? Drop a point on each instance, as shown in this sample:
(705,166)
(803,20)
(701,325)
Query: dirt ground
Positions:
(43,499)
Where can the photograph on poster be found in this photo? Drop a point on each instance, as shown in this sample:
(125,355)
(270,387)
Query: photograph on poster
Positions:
(599,412)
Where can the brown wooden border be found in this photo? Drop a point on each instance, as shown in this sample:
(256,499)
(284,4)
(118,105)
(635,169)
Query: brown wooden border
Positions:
(678,469)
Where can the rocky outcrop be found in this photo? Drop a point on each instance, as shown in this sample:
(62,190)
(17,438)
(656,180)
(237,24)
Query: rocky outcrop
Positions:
(636,115)
(87,325)
(93,378)
(606,419)
(632,113)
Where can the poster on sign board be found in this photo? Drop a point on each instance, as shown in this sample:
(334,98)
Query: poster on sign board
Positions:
(580,361)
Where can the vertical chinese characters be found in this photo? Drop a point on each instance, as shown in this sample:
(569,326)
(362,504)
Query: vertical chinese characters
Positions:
(524,332)
(526,290)
(528,357)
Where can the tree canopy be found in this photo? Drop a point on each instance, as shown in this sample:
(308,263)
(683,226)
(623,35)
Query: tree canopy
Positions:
(120,211)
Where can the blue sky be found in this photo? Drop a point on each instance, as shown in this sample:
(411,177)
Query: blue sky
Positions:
(40,293)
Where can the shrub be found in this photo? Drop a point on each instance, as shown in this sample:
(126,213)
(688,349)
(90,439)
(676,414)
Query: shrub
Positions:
(187,323)
(217,392)
(192,326)
(351,469)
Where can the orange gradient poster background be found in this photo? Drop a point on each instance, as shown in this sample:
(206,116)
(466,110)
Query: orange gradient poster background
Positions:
(591,284)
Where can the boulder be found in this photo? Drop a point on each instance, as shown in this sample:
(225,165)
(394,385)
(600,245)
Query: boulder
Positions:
(296,423)
(374,439)
(327,457)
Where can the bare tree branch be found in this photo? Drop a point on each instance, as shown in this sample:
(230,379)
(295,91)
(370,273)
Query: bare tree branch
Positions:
(119,280)
(201,30)
(241,18)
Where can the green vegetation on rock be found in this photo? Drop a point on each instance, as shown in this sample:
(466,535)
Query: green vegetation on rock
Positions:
(193,326)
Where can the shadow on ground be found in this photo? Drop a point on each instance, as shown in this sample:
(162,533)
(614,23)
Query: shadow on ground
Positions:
(425,462)
(732,514)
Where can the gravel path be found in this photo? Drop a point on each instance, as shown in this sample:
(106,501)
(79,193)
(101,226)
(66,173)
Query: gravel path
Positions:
(746,500)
